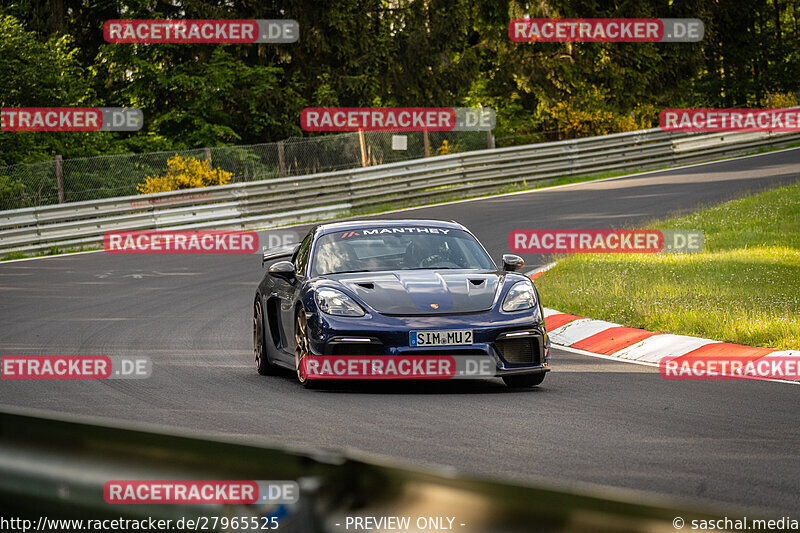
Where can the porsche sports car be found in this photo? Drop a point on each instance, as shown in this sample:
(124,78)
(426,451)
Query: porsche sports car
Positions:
(397,288)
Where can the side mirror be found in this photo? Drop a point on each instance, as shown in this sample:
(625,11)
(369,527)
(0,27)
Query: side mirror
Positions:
(286,250)
(283,270)
(512,263)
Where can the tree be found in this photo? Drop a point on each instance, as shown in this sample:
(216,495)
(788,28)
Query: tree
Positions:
(36,73)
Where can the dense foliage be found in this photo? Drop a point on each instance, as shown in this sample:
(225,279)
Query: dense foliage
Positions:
(381,53)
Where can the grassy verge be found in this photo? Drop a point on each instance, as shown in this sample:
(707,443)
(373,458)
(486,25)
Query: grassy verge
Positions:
(452,193)
(743,288)
(53,250)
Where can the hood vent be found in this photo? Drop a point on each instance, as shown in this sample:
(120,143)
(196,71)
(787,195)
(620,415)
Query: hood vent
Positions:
(411,292)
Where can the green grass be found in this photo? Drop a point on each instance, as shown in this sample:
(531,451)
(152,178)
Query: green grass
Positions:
(453,193)
(450,193)
(743,288)
(13,255)
(53,250)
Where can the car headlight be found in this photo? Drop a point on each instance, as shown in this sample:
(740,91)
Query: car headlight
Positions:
(521,296)
(337,303)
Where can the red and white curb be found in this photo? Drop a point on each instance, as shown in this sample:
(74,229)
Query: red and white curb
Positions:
(541,270)
(615,341)
(608,340)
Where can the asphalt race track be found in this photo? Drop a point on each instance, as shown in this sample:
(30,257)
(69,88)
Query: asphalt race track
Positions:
(593,420)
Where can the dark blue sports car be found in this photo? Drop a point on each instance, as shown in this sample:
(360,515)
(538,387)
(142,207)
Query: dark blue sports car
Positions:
(397,288)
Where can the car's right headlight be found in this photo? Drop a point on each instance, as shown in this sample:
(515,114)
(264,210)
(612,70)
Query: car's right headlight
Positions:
(333,302)
(521,296)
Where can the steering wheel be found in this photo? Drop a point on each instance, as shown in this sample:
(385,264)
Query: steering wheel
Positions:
(437,260)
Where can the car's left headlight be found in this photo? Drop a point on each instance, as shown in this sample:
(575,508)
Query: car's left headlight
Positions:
(335,302)
(521,296)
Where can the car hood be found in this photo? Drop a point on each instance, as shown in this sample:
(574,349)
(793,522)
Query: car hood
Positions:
(424,292)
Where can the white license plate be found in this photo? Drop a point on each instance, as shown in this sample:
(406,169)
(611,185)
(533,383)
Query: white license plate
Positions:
(453,337)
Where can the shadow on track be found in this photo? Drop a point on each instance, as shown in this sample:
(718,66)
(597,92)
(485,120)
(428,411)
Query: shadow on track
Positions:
(410,387)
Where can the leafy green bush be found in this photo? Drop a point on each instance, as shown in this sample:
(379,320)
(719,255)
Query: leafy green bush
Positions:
(9,188)
(589,112)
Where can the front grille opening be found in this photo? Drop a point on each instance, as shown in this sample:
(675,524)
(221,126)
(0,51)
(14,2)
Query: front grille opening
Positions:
(356,348)
(520,351)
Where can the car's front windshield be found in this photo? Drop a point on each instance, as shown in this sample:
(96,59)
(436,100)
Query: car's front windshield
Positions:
(398,248)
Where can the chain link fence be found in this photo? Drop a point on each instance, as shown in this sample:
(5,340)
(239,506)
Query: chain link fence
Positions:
(92,178)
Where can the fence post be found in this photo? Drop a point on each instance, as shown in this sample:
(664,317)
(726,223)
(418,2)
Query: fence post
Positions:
(427,143)
(281,160)
(60,178)
(489,139)
(208,157)
(363,145)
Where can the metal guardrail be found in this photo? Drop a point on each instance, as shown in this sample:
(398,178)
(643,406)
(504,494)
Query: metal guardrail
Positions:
(56,467)
(283,201)
(106,176)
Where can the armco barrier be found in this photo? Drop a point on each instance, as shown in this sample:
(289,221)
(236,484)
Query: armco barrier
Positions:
(56,467)
(282,201)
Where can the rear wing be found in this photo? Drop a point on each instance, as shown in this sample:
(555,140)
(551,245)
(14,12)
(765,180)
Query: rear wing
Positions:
(284,250)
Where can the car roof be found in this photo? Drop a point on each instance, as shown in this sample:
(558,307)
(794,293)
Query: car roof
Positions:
(333,227)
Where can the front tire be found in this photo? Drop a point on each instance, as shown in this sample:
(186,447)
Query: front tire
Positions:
(302,349)
(524,382)
(263,366)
